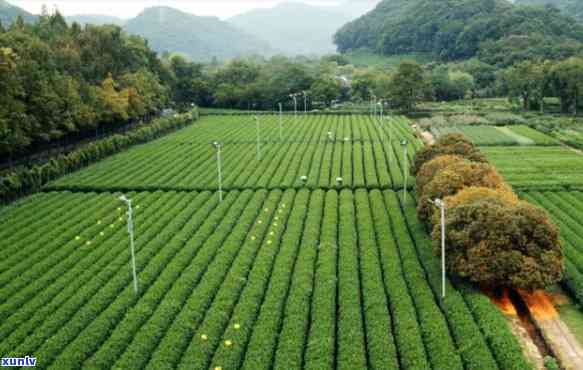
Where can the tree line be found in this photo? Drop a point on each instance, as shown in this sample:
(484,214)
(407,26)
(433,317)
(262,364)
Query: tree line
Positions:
(528,83)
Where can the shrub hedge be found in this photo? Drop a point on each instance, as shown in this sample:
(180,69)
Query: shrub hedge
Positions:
(29,180)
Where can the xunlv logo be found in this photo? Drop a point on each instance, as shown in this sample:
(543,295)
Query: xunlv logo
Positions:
(19,361)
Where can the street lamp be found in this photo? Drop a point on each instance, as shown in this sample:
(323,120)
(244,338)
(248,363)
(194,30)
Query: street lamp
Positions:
(391,154)
(441,205)
(258,139)
(339,182)
(217,146)
(381,109)
(305,102)
(128,202)
(280,121)
(404,144)
(295,98)
(304,180)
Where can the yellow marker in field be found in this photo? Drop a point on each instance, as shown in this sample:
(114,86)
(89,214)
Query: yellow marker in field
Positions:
(237,326)
(218,368)
(204,337)
(259,222)
(102,233)
(266,209)
(77,237)
(88,242)
(228,343)
(269,242)
(99,222)
(272,233)
(275,224)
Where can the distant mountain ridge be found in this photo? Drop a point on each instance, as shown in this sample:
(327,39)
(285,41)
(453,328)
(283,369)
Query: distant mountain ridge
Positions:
(295,28)
(199,38)
(8,13)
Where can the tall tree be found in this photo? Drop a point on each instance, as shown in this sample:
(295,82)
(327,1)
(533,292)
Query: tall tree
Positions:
(409,85)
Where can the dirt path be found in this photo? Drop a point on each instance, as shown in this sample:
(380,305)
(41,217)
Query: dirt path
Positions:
(559,338)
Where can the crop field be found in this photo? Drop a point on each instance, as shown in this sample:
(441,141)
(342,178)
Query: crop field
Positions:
(287,277)
(499,135)
(360,152)
(566,209)
(549,167)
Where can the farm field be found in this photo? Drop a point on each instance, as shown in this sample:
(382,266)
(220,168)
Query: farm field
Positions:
(360,152)
(282,277)
(566,209)
(536,167)
(483,135)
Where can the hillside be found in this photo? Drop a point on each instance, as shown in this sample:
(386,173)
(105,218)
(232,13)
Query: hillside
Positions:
(574,8)
(494,30)
(8,13)
(199,38)
(281,28)
(95,19)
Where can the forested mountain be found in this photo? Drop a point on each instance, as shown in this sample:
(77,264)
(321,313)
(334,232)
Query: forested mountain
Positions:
(95,19)
(199,38)
(494,30)
(295,28)
(8,13)
(573,8)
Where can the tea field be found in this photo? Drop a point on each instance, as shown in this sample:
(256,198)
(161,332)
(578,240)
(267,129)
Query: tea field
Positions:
(279,275)
(364,154)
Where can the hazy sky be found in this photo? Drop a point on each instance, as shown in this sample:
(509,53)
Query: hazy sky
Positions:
(131,8)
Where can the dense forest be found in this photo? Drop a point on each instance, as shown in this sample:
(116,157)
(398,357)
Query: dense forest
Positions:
(58,81)
(496,31)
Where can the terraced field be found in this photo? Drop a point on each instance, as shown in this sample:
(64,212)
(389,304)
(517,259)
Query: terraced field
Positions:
(276,276)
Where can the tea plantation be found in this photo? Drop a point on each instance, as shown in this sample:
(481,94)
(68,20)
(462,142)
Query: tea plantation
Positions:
(282,274)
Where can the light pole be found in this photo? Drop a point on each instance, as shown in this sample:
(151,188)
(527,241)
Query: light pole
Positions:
(391,154)
(128,202)
(258,139)
(404,144)
(441,205)
(280,122)
(305,102)
(381,110)
(217,146)
(295,98)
